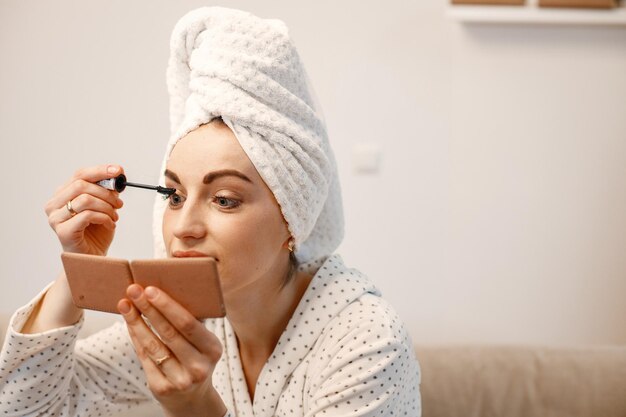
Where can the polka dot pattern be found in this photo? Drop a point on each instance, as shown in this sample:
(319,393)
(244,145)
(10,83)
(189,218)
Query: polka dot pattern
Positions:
(345,352)
(52,373)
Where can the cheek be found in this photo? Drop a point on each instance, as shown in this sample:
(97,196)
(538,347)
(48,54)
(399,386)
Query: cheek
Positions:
(247,244)
(254,240)
(167,230)
(258,232)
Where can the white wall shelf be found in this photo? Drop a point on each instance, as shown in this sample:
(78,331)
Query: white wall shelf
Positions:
(533,14)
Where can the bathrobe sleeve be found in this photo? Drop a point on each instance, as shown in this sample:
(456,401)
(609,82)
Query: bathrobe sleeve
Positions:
(366,364)
(52,373)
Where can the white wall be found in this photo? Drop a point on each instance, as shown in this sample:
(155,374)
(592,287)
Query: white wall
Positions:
(498,213)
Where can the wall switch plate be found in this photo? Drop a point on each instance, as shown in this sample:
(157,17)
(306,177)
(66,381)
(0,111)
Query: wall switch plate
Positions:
(366,157)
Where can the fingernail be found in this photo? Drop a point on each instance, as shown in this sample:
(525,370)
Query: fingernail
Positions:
(151,292)
(112,169)
(120,202)
(134,291)
(124,307)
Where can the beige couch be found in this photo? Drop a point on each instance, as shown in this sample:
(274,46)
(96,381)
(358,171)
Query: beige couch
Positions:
(507,381)
(521,381)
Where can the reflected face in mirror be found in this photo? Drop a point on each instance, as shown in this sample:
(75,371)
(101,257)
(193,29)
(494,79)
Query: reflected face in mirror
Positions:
(222,208)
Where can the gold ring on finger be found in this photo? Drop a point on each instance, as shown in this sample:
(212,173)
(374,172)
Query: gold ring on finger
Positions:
(69,208)
(159,361)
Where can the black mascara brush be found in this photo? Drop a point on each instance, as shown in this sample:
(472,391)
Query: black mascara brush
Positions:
(119,183)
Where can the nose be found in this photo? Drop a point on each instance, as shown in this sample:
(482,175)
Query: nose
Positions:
(191,222)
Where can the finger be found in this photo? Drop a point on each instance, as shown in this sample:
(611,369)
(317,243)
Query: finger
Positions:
(98,172)
(93,174)
(191,328)
(150,348)
(58,216)
(157,380)
(90,175)
(82,203)
(78,187)
(79,222)
(196,363)
(148,344)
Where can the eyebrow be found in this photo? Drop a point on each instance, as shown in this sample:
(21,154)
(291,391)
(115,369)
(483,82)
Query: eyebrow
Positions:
(211,176)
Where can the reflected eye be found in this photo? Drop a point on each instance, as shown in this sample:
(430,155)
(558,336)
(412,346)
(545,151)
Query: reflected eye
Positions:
(175,200)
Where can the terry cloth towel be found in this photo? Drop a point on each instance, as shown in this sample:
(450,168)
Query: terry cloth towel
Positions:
(246,69)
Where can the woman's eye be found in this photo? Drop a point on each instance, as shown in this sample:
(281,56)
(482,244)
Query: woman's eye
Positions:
(227,203)
(175,200)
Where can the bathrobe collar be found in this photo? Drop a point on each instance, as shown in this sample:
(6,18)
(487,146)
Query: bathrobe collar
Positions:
(332,288)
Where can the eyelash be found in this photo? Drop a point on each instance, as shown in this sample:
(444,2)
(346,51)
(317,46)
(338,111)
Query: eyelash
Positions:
(216,197)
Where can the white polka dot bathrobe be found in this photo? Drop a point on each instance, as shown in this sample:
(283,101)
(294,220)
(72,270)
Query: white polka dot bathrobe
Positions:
(344,353)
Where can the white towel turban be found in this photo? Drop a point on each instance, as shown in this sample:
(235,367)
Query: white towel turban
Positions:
(230,63)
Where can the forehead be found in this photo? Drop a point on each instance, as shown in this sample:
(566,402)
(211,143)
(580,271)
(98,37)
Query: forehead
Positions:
(210,147)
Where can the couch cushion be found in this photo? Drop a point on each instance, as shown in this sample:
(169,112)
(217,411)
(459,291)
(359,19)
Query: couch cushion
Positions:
(523,381)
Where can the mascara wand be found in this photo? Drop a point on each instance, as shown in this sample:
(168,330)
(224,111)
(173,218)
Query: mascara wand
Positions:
(119,183)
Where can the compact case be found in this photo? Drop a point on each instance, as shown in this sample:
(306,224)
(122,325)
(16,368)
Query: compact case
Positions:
(98,282)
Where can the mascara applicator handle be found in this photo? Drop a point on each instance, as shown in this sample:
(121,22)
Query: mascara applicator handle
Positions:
(117,184)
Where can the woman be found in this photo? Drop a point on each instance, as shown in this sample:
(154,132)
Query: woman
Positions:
(257,190)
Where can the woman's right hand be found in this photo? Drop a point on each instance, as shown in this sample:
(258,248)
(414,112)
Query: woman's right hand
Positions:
(91,229)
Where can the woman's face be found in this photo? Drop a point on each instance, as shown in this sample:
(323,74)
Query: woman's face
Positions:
(222,208)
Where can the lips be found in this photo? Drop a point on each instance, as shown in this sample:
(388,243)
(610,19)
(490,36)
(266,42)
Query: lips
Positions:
(189,254)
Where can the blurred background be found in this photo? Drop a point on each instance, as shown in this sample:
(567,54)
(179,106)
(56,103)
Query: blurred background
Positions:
(483,166)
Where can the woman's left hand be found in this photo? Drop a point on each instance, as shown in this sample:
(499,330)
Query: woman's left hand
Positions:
(179,362)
